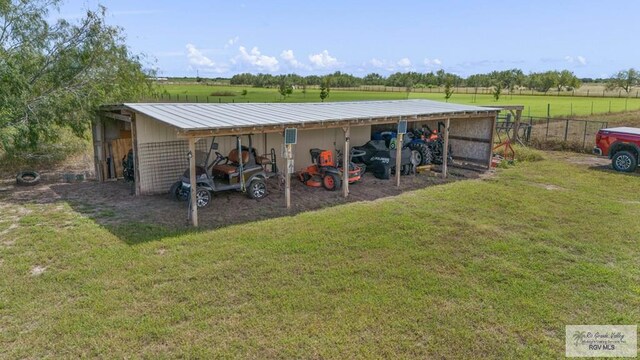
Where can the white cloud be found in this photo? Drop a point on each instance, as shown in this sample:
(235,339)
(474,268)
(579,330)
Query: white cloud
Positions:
(404,62)
(197,60)
(287,55)
(323,60)
(234,40)
(431,63)
(196,57)
(257,59)
(377,63)
(579,59)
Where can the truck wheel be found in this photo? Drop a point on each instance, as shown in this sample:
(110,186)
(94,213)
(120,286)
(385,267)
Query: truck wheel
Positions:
(331,182)
(624,161)
(257,189)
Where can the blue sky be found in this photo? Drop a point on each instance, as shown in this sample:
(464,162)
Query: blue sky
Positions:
(214,38)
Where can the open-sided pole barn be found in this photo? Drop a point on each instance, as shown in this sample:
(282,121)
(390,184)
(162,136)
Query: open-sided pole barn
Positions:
(162,134)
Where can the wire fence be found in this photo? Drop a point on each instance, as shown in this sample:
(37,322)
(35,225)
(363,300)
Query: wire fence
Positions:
(574,134)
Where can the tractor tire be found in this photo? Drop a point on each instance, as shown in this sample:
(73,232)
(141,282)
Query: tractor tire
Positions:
(624,161)
(28,178)
(331,182)
(203,197)
(257,189)
(425,156)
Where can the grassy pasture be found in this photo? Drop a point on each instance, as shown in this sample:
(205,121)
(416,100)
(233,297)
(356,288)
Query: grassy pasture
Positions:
(535,105)
(489,268)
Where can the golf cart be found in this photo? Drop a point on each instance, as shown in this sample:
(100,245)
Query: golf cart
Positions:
(242,170)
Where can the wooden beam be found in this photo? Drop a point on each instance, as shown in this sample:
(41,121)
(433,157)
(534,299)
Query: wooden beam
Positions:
(287,175)
(445,148)
(399,140)
(192,180)
(346,158)
(184,134)
(115,116)
(471,139)
(136,158)
(493,136)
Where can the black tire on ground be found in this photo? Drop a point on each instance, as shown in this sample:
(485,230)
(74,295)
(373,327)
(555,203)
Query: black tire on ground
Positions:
(383,172)
(425,153)
(624,161)
(176,193)
(257,189)
(331,182)
(406,169)
(203,197)
(28,178)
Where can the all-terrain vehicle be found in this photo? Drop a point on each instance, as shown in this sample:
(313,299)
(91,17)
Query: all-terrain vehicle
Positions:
(242,170)
(380,159)
(324,172)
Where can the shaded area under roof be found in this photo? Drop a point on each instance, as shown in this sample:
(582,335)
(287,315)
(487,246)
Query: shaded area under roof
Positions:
(197,116)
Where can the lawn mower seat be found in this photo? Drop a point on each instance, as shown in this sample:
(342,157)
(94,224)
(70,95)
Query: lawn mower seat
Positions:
(233,160)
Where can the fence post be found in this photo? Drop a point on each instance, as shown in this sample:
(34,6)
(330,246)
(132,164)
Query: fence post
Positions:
(548,111)
(546,135)
(609,106)
(591,107)
(584,140)
(566,130)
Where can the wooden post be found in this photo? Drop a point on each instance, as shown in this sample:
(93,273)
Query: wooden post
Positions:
(491,144)
(192,181)
(445,149)
(287,176)
(516,132)
(346,159)
(134,147)
(399,141)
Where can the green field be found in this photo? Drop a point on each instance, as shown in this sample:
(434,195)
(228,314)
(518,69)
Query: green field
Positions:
(489,268)
(535,105)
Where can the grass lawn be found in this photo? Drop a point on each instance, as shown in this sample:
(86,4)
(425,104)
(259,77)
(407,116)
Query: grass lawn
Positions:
(489,268)
(534,105)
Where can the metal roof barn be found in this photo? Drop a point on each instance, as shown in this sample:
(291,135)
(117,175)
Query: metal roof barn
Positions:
(161,135)
(196,116)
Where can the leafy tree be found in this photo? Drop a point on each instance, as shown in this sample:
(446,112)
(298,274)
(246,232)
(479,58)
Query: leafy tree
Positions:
(497,91)
(244,92)
(567,80)
(56,75)
(284,87)
(448,90)
(325,88)
(625,80)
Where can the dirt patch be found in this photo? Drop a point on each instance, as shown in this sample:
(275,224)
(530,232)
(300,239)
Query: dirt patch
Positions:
(37,270)
(111,203)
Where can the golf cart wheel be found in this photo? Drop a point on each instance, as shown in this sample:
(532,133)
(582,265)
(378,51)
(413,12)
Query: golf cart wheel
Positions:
(624,161)
(331,182)
(257,189)
(203,197)
(176,193)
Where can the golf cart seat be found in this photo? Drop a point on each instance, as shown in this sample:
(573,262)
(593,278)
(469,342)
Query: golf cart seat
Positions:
(233,160)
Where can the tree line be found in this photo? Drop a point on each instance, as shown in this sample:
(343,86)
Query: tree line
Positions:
(508,80)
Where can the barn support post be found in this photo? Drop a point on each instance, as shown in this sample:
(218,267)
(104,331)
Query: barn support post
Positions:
(287,175)
(136,160)
(346,158)
(445,148)
(399,141)
(192,180)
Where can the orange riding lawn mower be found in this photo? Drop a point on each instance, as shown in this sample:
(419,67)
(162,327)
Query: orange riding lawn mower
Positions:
(324,171)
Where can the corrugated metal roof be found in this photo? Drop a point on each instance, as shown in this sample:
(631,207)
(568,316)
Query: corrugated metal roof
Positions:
(194,116)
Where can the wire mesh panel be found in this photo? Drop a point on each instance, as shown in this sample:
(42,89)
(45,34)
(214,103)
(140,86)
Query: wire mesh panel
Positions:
(162,163)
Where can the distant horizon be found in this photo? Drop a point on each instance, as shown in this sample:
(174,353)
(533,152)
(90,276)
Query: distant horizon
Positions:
(221,39)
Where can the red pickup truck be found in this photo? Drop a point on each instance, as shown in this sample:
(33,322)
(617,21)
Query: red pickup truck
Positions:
(621,145)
